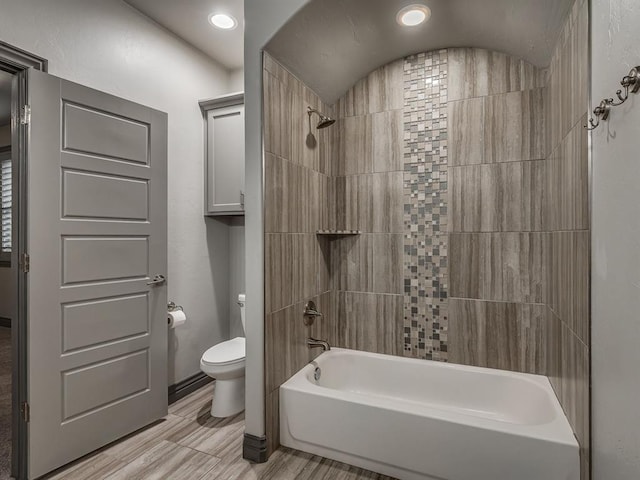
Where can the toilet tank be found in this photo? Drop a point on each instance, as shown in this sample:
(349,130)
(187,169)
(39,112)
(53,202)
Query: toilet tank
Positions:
(241,299)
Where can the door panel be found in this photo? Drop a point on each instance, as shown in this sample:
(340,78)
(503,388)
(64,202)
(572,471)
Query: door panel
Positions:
(97,259)
(93,322)
(121,138)
(113,197)
(96,219)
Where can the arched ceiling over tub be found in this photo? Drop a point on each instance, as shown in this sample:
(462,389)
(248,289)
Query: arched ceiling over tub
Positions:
(331,44)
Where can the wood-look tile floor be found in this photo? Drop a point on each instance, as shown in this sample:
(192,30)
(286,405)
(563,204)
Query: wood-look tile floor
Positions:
(189,444)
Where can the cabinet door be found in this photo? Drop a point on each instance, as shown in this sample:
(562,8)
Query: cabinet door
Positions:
(225,161)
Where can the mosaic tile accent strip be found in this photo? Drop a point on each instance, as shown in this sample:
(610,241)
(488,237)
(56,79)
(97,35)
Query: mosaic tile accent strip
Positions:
(425,179)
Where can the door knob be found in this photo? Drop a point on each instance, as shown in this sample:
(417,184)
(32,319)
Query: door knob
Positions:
(157,280)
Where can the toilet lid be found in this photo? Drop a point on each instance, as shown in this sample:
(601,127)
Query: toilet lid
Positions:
(226,352)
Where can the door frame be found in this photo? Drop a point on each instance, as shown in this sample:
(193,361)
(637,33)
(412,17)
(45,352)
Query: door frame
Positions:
(14,60)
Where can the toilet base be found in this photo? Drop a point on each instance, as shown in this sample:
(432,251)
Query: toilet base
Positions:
(228,397)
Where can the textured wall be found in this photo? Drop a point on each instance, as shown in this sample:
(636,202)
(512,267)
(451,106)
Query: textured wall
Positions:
(296,173)
(568,221)
(616,258)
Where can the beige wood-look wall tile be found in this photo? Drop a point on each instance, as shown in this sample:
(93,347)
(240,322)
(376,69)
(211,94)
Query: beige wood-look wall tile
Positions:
(338,214)
(327,139)
(286,350)
(279,264)
(514,127)
(381,90)
(554,351)
(475,72)
(387,202)
(295,268)
(468,73)
(304,145)
(370,322)
(277,120)
(352,263)
(498,197)
(580,66)
(554,106)
(354,203)
(575,374)
(570,279)
(509,267)
(568,182)
(466,132)
(509,336)
(371,203)
(355,146)
(272,66)
(272,424)
(388,253)
(388,141)
(355,101)
(276,185)
(386,87)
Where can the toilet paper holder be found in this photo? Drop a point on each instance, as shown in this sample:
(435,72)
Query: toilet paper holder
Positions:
(172,307)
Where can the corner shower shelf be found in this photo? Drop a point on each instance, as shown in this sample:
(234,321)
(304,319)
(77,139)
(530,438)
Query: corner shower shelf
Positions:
(338,233)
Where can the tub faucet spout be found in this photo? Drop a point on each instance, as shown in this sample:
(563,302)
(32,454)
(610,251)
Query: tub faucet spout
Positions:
(314,343)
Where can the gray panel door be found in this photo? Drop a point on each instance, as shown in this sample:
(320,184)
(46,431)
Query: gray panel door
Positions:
(97,235)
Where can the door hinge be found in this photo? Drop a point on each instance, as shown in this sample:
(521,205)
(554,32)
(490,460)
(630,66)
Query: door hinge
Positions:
(242,198)
(26,411)
(25,262)
(25,115)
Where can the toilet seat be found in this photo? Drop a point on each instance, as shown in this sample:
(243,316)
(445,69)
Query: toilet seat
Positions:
(225,353)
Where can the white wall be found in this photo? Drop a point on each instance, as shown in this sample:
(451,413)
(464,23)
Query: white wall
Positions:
(262,20)
(616,248)
(236,274)
(111,47)
(236,80)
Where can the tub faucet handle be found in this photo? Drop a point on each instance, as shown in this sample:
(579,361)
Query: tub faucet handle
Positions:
(310,313)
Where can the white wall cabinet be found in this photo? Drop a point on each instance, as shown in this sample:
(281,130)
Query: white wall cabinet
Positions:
(224,158)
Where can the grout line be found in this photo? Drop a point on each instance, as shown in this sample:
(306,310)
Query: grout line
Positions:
(497,301)
(489,164)
(500,93)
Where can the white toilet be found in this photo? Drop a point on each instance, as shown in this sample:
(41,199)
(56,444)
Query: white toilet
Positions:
(225,363)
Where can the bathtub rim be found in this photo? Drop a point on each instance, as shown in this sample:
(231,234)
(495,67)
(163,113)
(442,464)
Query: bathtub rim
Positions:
(557,431)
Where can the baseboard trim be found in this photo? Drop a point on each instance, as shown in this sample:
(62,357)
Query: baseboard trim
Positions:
(187,386)
(5,322)
(254,448)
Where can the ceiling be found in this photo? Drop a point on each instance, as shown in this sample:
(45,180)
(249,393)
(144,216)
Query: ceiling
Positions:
(189,19)
(331,44)
(5,97)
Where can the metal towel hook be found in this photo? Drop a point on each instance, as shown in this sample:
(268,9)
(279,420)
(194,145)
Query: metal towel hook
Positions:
(630,83)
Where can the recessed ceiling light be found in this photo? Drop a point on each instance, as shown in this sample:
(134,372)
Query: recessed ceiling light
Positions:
(413,15)
(223,21)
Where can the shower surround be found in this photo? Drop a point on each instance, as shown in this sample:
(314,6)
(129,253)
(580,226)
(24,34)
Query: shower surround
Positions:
(465,172)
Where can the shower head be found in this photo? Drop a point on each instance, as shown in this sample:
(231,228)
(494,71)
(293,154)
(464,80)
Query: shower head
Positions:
(324,120)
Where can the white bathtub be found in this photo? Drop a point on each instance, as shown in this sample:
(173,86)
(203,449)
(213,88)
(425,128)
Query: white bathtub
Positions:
(416,419)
